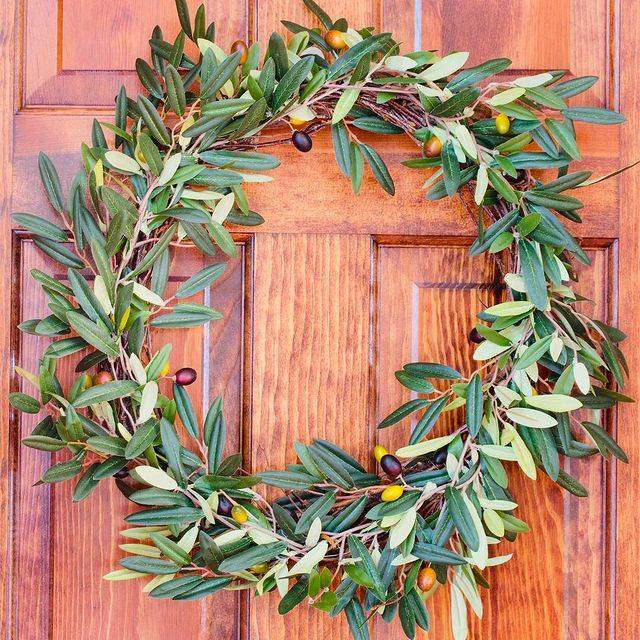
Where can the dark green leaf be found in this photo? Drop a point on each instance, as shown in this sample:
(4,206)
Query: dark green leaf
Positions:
(92,333)
(403,411)
(51,182)
(199,281)
(252,556)
(532,272)
(175,90)
(450,168)
(438,555)
(350,59)
(24,402)
(291,82)
(143,437)
(428,420)
(105,392)
(142,564)
(40,226)
(474,405)
(594,115)
(148,79)
(462,518)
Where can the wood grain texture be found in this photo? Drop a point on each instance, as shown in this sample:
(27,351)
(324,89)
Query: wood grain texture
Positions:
(310,372)
(626,550)
(79,52)
(318,316)
(8,101)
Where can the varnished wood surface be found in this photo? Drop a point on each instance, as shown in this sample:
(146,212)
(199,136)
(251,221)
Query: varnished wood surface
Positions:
(625,553)
(326,300)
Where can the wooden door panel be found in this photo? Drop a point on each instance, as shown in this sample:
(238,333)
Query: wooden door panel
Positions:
(427,298)
(79,52)
(76,544)
(325,301)
(536,35)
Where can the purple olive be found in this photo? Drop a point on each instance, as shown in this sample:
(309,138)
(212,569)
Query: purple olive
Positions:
(224,506)
(123,473)
(474,336)
(391,465)
(440,457)
(185,376)
(302,141)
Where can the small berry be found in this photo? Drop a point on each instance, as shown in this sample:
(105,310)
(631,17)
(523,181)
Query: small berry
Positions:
(391,493)
(426,579)
(239,514)
(302,141)
(185,376)
(335,39)
(261,567)
(241,45)
(432,147)
(503,124)
(296,122)
(378,452)
(102,377)
(440,457)
(391,465)
(474,336)
(224,506)
(165,370)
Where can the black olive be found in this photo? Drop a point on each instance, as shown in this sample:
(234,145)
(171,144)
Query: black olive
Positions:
(440,457)
(474,336)
(224,506)
(123,473)
(391,465)
(302,141)
(185,376)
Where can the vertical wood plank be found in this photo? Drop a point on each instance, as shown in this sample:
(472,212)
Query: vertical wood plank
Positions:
(310,372)
(269,13)
(624,615)
(8,104)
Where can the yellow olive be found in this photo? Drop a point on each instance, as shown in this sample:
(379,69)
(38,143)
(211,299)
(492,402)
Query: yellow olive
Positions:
(296,122)
(241,45)
(239,514)
(432,147)
(87,382)
(165,370)
(426,579)
(391,493)
(335,39)
(503,124)
(262,567)
(378,452)
(124,319)
(534,391)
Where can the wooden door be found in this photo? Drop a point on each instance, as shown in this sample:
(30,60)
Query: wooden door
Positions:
(321,306)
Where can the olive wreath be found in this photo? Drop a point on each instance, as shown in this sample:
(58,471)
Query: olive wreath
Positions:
(342,538)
